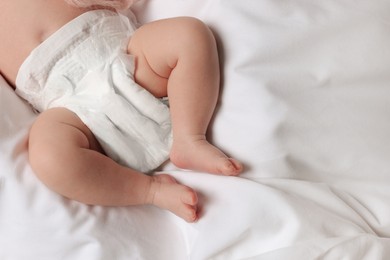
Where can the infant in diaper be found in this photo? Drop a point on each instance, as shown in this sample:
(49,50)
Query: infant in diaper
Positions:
(98,82)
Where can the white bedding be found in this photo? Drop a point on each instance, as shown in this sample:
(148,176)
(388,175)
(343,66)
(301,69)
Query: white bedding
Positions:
(305,104)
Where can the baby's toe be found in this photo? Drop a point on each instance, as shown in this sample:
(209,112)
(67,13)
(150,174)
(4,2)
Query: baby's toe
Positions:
(189,197)
(231,167)
(190,214)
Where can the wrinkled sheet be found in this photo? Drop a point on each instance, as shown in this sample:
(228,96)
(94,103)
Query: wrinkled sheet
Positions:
(305,104)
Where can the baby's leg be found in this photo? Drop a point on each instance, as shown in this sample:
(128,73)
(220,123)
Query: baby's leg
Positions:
(178,57)
(67,158)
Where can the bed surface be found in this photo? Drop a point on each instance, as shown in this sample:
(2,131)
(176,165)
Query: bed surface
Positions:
(305,104)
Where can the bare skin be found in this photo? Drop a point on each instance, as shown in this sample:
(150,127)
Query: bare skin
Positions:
(184,66)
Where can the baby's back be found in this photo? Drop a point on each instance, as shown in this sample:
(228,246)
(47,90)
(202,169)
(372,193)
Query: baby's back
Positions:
(24,24)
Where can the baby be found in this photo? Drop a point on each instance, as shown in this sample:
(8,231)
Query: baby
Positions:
(97,83)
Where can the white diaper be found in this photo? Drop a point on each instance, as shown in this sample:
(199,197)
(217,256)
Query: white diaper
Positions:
(84,68)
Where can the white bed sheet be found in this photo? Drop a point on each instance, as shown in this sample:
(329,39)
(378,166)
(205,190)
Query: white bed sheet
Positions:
(305,104)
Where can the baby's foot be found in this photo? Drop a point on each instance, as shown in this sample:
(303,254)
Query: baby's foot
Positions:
(181,200)
(196,153)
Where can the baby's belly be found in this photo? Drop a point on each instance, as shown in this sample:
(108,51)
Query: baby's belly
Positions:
(19,41)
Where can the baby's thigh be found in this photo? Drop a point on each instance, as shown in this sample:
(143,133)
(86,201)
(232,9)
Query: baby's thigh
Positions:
(161,45)
(151,71)
(59,128)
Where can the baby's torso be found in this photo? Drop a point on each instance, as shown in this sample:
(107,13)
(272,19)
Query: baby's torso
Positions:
(24,24)
(84,67)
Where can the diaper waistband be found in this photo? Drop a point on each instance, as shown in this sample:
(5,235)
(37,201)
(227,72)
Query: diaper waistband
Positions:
(77,30)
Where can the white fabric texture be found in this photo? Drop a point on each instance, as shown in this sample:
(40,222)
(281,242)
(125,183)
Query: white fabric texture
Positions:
(305,104)
(84,68)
